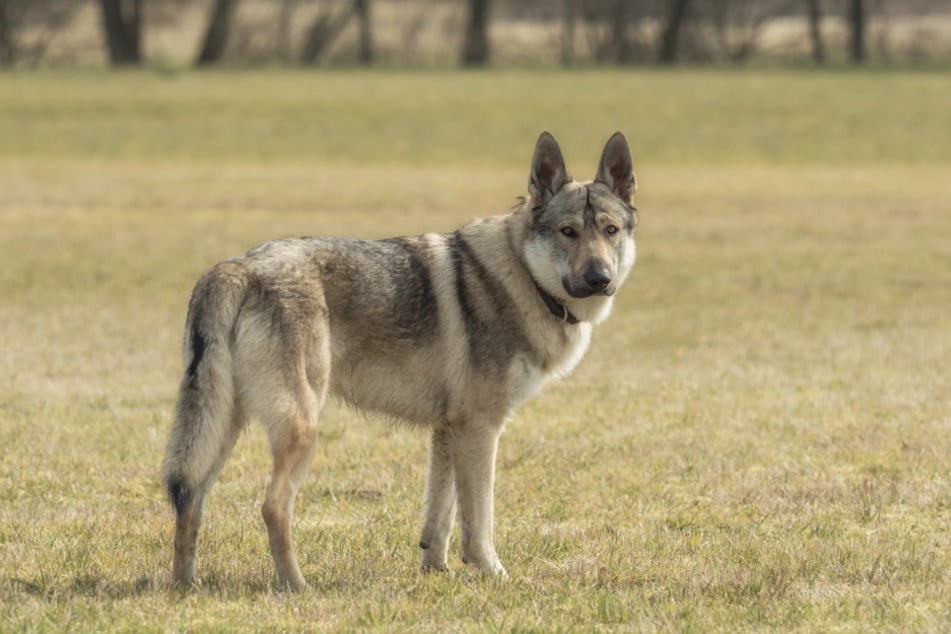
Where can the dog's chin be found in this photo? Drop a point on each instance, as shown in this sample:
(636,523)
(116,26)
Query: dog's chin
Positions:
(585,292)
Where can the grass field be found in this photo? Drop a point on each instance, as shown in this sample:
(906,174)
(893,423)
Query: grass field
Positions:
(759,438)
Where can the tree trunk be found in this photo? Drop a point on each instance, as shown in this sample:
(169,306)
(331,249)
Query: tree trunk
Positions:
(322,32)
(669,39)
(815,31)
(122,20)
(216,36)
(475,49)
(620,19)
(285,17)
(7,46)
(857,31)
(568,15)
(361,9)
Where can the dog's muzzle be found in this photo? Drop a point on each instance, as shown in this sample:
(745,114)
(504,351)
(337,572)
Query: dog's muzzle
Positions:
(597,279)
(594,281)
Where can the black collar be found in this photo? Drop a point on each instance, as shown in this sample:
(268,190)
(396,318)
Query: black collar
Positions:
(560,312)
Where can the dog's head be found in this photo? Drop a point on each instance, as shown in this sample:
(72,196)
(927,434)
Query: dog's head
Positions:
(581,239)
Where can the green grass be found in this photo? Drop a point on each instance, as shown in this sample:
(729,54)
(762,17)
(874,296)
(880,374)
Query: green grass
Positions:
(757,440)
(437,118)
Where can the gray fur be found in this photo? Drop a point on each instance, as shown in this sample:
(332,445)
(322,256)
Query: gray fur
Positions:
(445,330)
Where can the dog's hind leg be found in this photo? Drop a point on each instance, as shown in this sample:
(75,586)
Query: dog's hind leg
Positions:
(440,503)
(292,447)
(288,381)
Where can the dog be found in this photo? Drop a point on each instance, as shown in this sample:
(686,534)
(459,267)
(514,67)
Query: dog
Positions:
(450,330)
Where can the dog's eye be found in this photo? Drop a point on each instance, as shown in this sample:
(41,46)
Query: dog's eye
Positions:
(610,230)
(568,232)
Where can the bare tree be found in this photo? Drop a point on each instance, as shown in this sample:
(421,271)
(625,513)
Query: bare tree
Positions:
(567,40)
(7,28)
(611,28)
(621,17)
(122,20)
(328,24)
(857,31)
(361,9)
(815,31)
(734,28)
(216,35)
(669,38)
(475,48)
(323,31)
(284,19)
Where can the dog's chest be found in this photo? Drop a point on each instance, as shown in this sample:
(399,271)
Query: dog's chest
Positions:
(572,351)
(526,377)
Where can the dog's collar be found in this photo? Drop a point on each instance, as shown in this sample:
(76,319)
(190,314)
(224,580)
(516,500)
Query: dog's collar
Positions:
(560,312)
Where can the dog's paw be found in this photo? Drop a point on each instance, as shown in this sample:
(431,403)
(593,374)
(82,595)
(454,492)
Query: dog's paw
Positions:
(427,567)
(496,571)
(292,586)
(490,567)
(185,586)
(433,562)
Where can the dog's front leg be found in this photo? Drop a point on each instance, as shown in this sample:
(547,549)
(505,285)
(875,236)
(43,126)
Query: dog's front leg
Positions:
(440,503)
(474,447)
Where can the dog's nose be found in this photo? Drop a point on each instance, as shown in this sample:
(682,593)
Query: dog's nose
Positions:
(597,278)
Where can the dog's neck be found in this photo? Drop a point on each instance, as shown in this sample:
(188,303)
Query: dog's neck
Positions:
(560,312)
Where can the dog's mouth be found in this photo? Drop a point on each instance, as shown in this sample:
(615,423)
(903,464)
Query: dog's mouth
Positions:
(583,291)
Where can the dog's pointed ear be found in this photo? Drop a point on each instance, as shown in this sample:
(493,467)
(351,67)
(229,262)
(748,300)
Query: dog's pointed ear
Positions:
(617,169)
(549,173)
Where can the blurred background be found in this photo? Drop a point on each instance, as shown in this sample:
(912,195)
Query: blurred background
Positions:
(441,33)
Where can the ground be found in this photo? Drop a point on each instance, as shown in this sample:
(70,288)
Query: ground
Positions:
(758,438)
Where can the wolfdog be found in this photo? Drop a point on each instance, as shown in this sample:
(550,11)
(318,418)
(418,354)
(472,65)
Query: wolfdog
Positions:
(448,330)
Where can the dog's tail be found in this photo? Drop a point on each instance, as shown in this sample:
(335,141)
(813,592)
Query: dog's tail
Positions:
(204,428)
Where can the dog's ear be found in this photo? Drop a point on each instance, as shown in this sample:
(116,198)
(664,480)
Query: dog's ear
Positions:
(549,173)
(617,169)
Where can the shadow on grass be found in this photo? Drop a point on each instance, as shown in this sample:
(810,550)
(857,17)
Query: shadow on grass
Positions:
(94,587)
(88,586)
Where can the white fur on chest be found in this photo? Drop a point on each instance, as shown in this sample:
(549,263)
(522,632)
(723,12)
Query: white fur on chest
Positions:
(572,353)
(528,378)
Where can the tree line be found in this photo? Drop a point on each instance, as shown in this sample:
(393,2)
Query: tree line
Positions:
(684,30)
